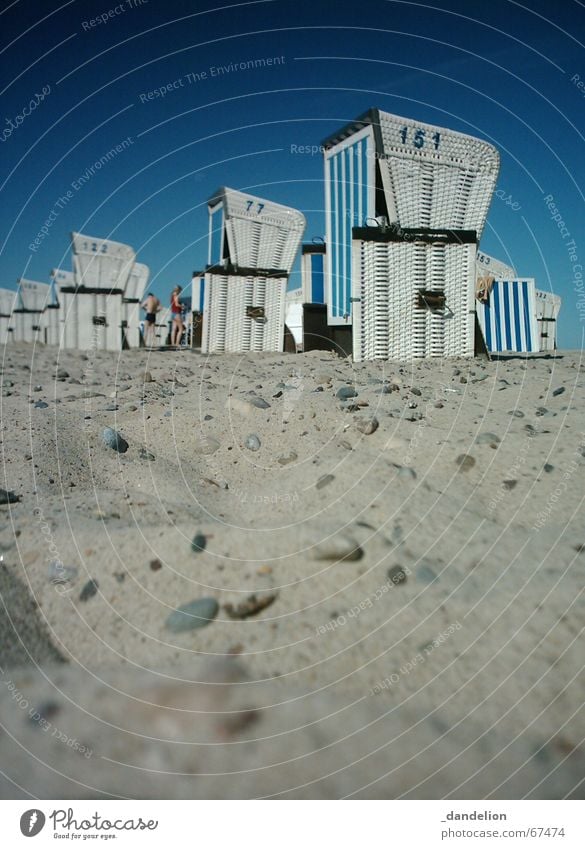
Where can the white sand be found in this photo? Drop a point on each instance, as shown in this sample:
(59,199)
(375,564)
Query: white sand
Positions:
(493,708)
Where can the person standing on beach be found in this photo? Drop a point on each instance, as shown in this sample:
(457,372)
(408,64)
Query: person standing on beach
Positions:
(152,306)
(177,327)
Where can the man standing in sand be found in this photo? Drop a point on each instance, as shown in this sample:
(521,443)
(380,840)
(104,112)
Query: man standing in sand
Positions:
(152,306)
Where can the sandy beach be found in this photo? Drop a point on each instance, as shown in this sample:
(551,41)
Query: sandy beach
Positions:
(388,560)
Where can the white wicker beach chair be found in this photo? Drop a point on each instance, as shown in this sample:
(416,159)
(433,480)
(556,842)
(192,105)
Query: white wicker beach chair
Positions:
(251,232)
(8,303)
(548,306)
(412,298)
(243,313)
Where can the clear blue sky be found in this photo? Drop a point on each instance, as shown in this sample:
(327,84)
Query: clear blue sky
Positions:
(504,71)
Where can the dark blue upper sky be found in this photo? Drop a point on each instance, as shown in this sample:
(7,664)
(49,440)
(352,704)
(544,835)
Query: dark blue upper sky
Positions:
(505,71)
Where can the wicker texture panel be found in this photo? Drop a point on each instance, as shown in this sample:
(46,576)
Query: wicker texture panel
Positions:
(226,324)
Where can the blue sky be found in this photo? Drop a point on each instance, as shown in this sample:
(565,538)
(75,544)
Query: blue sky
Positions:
(504,71)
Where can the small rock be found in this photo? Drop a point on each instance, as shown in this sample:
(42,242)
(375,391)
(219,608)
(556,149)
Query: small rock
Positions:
(155,565)
(490,439)
(41,405)
(559,391)
(510,484)
(462,379)
(406,473)
(548,467)
(264,570)
(518,414)
(324,481)
(8,497)
(465,462)
(147,377)
(425,574)
(206,445)
(345,444)
(416,391)
(111,408)
(397,575)
(541,411)
(199,542)
(112,439)
(345,392)
(252,443)
(339,548)
(38,388)
(367,426)
(120,577)
(146,455)
(62,374)
(61,574)
(259,403)
(285,459)
(439,405)
(45,711)
(195,614)
(253,604)
(89,590)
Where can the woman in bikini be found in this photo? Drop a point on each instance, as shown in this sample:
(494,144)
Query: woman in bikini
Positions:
(176,311)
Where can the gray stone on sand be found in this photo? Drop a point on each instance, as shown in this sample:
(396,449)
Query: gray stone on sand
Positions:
(345,392)
(487,439)
(339,548)
(206,445)
(324,481)
(285,459)
(112,439)
(195,614)
(465,462)
(252,442)
(367,425)
(89,590)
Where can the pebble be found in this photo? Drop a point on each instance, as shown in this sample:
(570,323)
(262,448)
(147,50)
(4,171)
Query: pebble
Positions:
(345,392)
(112,439)
(41,405)
(155,565)
(397,575)
(61,574)
(252,442)
(416,391)
(285,459)
(245,406)
(491,439)
(206,445)
(465,462)
(259,403)
(425,574)
(62,374)
(199,542)
(146,455)
(195,614)
(252,605)
(9,497)
(38,388)
(264,570)
(510,484)
(148,377)
(339,548)
(89,590)
(367,426)
(548,467)
(324,481)
(111,408)
(559,391)
(406,473)
(516,413)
